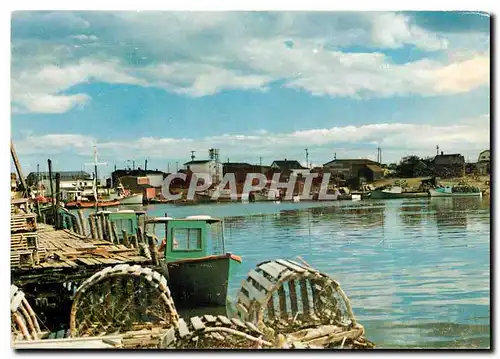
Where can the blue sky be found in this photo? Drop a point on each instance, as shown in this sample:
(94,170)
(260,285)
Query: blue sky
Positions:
(157,85)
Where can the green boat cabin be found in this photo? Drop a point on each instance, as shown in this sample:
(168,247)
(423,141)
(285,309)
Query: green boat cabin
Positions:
(186,238)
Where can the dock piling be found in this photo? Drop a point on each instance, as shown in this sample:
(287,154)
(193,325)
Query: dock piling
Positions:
(93,229)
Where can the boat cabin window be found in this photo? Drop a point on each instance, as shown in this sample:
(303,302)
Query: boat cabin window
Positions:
(125,224)
(186,239)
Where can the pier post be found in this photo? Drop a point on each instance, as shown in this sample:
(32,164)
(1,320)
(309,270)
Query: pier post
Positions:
(99,227)
(135,242)
(115,232)
(57,222)
(103,226)
(83,223)
(152,249)
(110,232)
(93,230)
(140,235)
(126,242)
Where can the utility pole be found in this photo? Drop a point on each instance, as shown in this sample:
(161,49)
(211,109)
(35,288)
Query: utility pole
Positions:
(307,159)
(133,165)
(437,150)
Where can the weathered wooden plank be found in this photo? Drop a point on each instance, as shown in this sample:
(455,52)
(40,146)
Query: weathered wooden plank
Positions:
(282,302)
(14,303)
(253,327)
(238,323)
(210,318)
(183,329)
(243,299)
(224,320)
(263,281)
(167,338)
(197,323)
(310,269)
(242,311)
(272,269)
(304,295)
(253,293)
(85,261)
(291,266)
(293,296)
(271,312)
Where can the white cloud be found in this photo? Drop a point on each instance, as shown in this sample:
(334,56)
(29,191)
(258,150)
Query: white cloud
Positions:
(43,103)
(394,30)
(201,54)
(40,90)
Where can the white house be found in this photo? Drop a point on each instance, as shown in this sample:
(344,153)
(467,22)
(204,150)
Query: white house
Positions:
(484,156)
(292,166)
(213,168)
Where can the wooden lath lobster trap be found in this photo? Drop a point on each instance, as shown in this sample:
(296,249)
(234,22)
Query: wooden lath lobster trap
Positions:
(122,298)
(299,302)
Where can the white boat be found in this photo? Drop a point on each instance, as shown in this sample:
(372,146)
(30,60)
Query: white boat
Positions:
(131,199)
(265,195)
(125,197)
(455,191)
(355,197)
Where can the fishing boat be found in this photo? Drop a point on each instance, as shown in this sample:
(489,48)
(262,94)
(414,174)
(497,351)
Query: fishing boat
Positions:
(265,194)
(396,192)
(193,252)
(91,204)
(455,191)
(125,197)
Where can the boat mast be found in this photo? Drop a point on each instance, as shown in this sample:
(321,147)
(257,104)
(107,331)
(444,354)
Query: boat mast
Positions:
(18,169)
(95,174)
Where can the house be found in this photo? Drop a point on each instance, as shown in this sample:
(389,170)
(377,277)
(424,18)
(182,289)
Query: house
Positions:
(289,167)
(356,171)
(242,169)
(449,165)
(213,168)
(483,163)
(69,180)
(147,182)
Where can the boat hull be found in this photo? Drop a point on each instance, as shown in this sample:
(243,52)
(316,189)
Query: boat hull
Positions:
(201,282)
(387,195)
(80,204)
(434,193)
(135,199)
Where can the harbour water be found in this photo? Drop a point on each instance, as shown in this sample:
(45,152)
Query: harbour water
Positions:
(416,270)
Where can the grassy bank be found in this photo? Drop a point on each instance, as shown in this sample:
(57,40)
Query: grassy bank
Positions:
(480,181)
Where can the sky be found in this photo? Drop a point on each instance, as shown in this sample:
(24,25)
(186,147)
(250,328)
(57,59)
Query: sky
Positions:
(157,85)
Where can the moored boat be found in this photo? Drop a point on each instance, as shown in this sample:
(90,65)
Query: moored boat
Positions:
(135,199)
(198,268)
(91,204)
(455,191)
(396,192)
